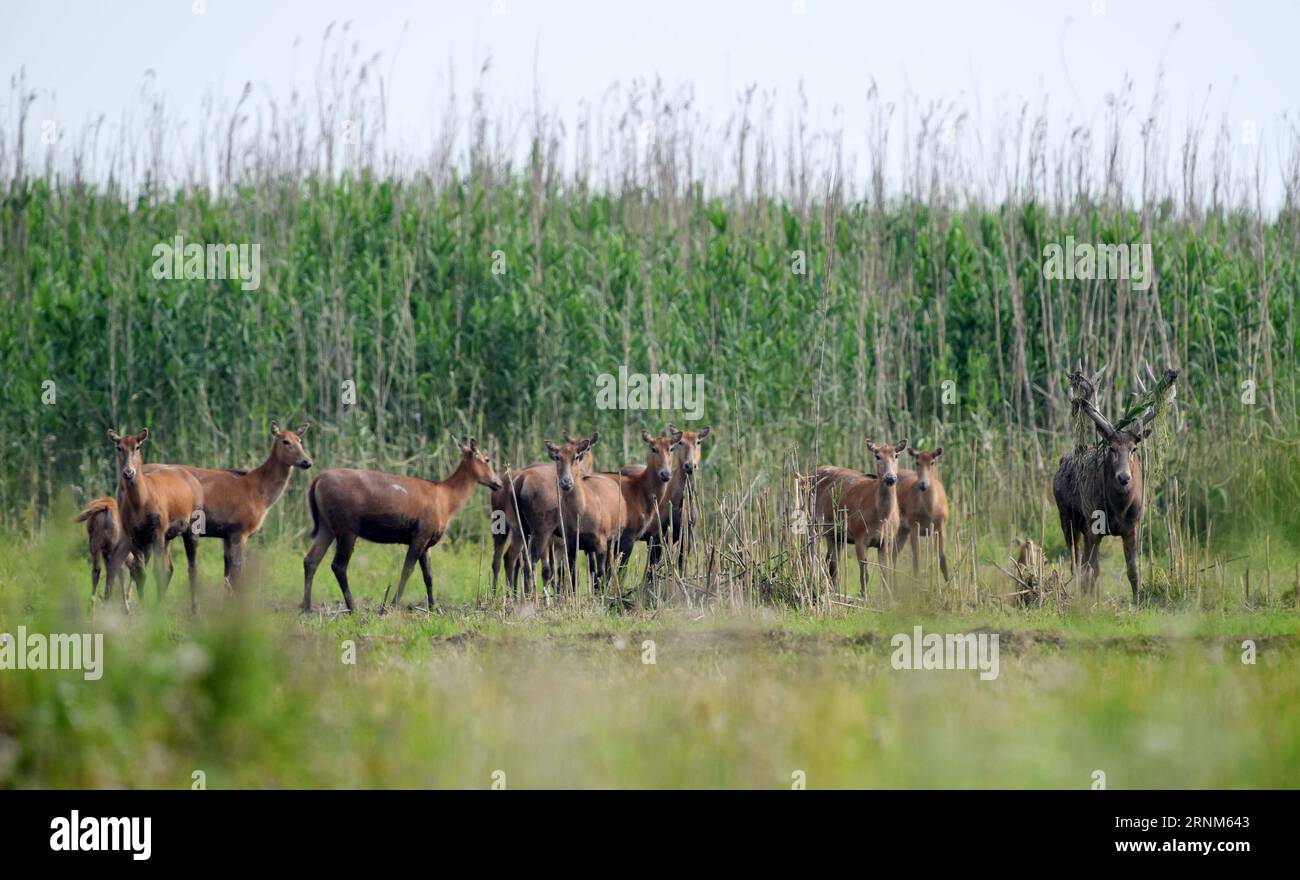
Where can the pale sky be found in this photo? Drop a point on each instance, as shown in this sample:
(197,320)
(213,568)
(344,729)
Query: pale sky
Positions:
(1238,58)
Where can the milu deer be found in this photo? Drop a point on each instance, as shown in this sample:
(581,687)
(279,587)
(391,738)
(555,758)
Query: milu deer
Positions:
(671,518)
(605,514)
(103,534)
(528,506)
(1096,498)
(347,504)
(154,508)
(236,502)
(923,505)
(1115,510)
(861,509)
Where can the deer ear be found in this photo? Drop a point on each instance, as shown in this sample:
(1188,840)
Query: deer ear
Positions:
(703,432)
(276,431)
(142,436)
(473,445)
(902,444)
(645,435)
(595,435)
(938,451)
(113,435)
(552,449)
(674,435)
(672,429)
(302,429)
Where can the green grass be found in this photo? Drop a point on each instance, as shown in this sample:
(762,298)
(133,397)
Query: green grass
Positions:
(256,695)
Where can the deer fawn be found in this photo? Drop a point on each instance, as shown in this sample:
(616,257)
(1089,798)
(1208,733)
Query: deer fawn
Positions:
(103,534)
(154,507)
(347,504)
(923,505)
(861,509)
(236,502)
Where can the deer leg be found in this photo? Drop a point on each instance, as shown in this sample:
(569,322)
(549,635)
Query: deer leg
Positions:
(498,548)
(342,556)
(412,554)
(138,560)
(162,569)
(1131,561)
(864,573)
(915,535)
(428,579)
(833,559)
(192,567)
(116,566)
(311,562)
(240,545)
(94,574)
(513,551)
(228,561)
(943,555)
(1067,531)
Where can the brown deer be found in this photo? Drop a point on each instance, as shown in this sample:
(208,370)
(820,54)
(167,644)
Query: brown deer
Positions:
(347,504)
(922,505)
(1099,492)
(605,514)
(236,502)
(528,506)
(670,519)
(861,509)
(103,534)
(154,508)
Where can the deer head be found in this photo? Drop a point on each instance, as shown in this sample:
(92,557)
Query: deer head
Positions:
(660,461)
(924,463)
(887,461)
(479,465)
(688,447)
(287,448)
(129,462)
(1122,472)
(568,456)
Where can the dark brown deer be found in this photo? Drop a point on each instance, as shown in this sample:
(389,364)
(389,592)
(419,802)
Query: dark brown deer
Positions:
(236,502)
(860,509)
(671,518)
(103,534)
(528,506)
(1099,493)
(923,505)
(154,508)
(605,514)
(348,504)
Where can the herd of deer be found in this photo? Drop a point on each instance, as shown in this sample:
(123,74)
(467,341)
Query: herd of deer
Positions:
(545,513)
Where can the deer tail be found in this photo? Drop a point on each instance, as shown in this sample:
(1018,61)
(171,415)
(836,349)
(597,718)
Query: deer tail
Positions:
(312,509)
(99,505)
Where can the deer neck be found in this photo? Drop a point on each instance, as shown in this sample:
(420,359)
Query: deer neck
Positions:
(886,498)
(677,486)
(272,476)
(133,492)
(459,486)
(652,488)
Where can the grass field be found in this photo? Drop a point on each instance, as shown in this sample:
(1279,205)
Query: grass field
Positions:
(821,294)
(254,694)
